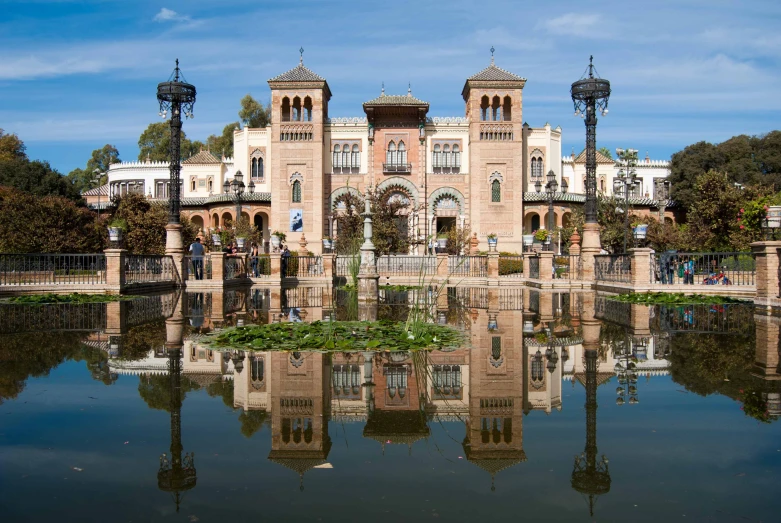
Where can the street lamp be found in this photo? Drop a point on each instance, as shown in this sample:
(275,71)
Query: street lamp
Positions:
(236,188)
(175,95)
(589,94)
(98,176)
(626,180)
(550,189)
(550,352)
(627,376)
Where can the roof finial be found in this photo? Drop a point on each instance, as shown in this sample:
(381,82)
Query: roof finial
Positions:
(492,55)
(301,60)
(383,89)
(409,89)
(591,66)
(176,71)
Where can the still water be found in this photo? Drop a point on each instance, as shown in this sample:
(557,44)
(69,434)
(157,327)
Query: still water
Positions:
(562,407)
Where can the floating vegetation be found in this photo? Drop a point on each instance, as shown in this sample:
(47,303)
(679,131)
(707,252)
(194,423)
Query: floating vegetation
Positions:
(337,336)
(47,299)
(400,288)
(678,298)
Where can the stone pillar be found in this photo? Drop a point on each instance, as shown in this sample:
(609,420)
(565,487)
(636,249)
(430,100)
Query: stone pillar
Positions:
(217,317)
(218,265)
(546,265)
(302,246)
(116,318)
(767,256)
(115,269)
(591,247)
(442,265)
(767,364)
(493,264)
(641,266)
(591,326)
(493,300)
(526,264)
(174,247)
(276,265)
(329,264)
(640,319)
(368,277)
(474,244)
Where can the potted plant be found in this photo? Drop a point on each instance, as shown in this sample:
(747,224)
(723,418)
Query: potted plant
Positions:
(528,240)
(242,230)
(277,237)
(773,216)
(541,235)
(640,231)
(492,241)
(442,241)
(327,243)
(216,237)
(116,227)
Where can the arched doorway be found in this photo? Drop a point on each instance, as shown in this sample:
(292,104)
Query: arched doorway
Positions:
(197,221)
(227,219)
(215,220)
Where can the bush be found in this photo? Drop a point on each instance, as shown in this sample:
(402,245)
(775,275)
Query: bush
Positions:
(510,266)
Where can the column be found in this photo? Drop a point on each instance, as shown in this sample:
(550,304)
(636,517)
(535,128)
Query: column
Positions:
(218,265)
(546,265)
(641,266)
(766,255)
(493,264)
(115,269)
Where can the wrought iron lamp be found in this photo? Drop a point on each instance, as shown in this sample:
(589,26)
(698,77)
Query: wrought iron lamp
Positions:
(550,189)
(550,353)
(625,181)
(98,176)
(236,188)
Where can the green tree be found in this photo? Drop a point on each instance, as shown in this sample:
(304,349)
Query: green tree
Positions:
(146,223)
(11,147)
(99,162)
(34,224)
(253,114)
(155,143)
(606,152)
(156,390)
(223,144)
(36,178)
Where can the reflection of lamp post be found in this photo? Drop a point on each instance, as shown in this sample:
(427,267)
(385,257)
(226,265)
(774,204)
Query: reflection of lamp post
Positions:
(550,352)
(98,176)
(627,376)
(589,476)
(176,474)
(551,186)
(626,180)
(236,188)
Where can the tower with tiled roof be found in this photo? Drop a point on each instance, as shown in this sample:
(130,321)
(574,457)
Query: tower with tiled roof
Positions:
(494,105)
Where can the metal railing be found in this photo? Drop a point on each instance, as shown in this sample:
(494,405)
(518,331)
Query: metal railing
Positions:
(397,167)
(407,265)
(18,318)
(149,268)
(703,268)
(613,267)
(233,267)
(534,267)
(302,266)
(342,267)
(469,266)
(511,266)
(38,269)
(259,266)
(190,267)
(561,267)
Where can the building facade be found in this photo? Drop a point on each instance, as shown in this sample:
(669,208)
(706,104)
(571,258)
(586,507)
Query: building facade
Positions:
(477,170)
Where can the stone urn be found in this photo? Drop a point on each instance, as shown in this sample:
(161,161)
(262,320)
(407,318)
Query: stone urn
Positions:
(115,234)
(276,241)
(774,216)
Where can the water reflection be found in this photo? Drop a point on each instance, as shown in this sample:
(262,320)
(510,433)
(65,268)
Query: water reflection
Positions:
(523,345)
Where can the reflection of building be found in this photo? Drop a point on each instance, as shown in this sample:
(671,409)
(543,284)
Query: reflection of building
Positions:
(478,169)
(767,361)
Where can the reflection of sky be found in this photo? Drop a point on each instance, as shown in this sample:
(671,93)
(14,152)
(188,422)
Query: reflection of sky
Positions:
(675,453)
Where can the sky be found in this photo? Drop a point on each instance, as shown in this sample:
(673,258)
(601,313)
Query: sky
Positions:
(75,75)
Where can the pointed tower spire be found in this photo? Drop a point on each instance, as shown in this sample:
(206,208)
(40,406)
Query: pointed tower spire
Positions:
(301,59)
(382,93)
(409,89)
(492,55)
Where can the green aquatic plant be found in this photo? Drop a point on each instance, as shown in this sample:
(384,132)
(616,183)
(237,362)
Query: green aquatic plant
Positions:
(46,299)
(678,298)
(338,336)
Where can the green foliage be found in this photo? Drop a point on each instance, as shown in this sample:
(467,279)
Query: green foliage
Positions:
(51,224)
(11,147)
(606,152)
(155,143)
(341,336)
(155,390)
(541,235)
(223,144)
(146,224)
(37,178)
(253,113)
(40,299)
(678,298)
(457,240)
(252,421)
(510,266)
(755,406)
(101,159)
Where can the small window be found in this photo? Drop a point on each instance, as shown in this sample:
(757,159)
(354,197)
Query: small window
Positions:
(402,154)
(211,185)
(192,185)
(296,192)
(390,156)
(456,157)
(446,154)
(437,153)
(337,157)
(260,167)
(496,191)
(356,158)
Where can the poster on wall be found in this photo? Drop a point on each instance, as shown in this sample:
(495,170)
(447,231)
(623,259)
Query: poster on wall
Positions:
(296,220)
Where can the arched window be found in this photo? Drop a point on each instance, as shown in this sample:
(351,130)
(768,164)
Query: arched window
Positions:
(286,109)
(211,185)
(507,109)
(346,156)
(258,371)
(446,154)
(496,109)
(484,108)
(356,166)
(602,185)
(390,156)
(296,192)
(537,164)
(307,109)
(456,157)
(402,154)
(192,185)
(437,156)
(496,351)
(496,191)
(337,157)
(260,167)
(296,109)
(254,167)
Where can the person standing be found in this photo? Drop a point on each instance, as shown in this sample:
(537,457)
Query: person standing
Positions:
(197,251)
(285,260)
(254,260)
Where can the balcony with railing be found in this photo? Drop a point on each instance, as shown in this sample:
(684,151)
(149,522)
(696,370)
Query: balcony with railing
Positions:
(398,168)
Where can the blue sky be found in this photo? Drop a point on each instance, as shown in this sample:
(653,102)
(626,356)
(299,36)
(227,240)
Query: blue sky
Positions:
(77,75)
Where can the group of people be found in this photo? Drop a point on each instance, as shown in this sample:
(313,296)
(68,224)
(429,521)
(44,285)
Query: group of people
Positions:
(198,251)
(672,269)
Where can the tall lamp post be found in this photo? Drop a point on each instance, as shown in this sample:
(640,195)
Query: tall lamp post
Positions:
(626,180)
(175,95)
(98,176)
(236,188)
(590,94)
(551,187)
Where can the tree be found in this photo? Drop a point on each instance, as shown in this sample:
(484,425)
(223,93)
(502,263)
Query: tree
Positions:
(155,390)
(146,224)
(253,114)
(101,159)
(34,224)
(223,144)
(11,147)
(155,143)
(37,178)
(606,152)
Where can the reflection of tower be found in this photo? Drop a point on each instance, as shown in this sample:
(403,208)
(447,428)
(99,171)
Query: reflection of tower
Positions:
(591,477)
(176,474)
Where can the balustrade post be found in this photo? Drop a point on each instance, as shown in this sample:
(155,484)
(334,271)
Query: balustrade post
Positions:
(275,261)
(442,264)
(245,268)
(767,255)
(493,264)
(115,269)
(640,266)
(525,261)
(546,265)
(218,265)
(329,263)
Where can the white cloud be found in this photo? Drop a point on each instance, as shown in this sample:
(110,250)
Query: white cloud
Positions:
(574,24)
(166,15)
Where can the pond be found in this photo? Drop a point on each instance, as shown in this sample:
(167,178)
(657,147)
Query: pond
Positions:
(557,407)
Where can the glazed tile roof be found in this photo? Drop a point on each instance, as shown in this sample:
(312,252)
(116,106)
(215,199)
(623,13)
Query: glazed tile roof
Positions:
(558,197)
(496,74)
(202,158)
(298,74)
(601,158)
(102,190)
(394,99)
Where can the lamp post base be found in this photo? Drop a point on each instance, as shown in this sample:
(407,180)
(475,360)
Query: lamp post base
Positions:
(174,247)
(590,247)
